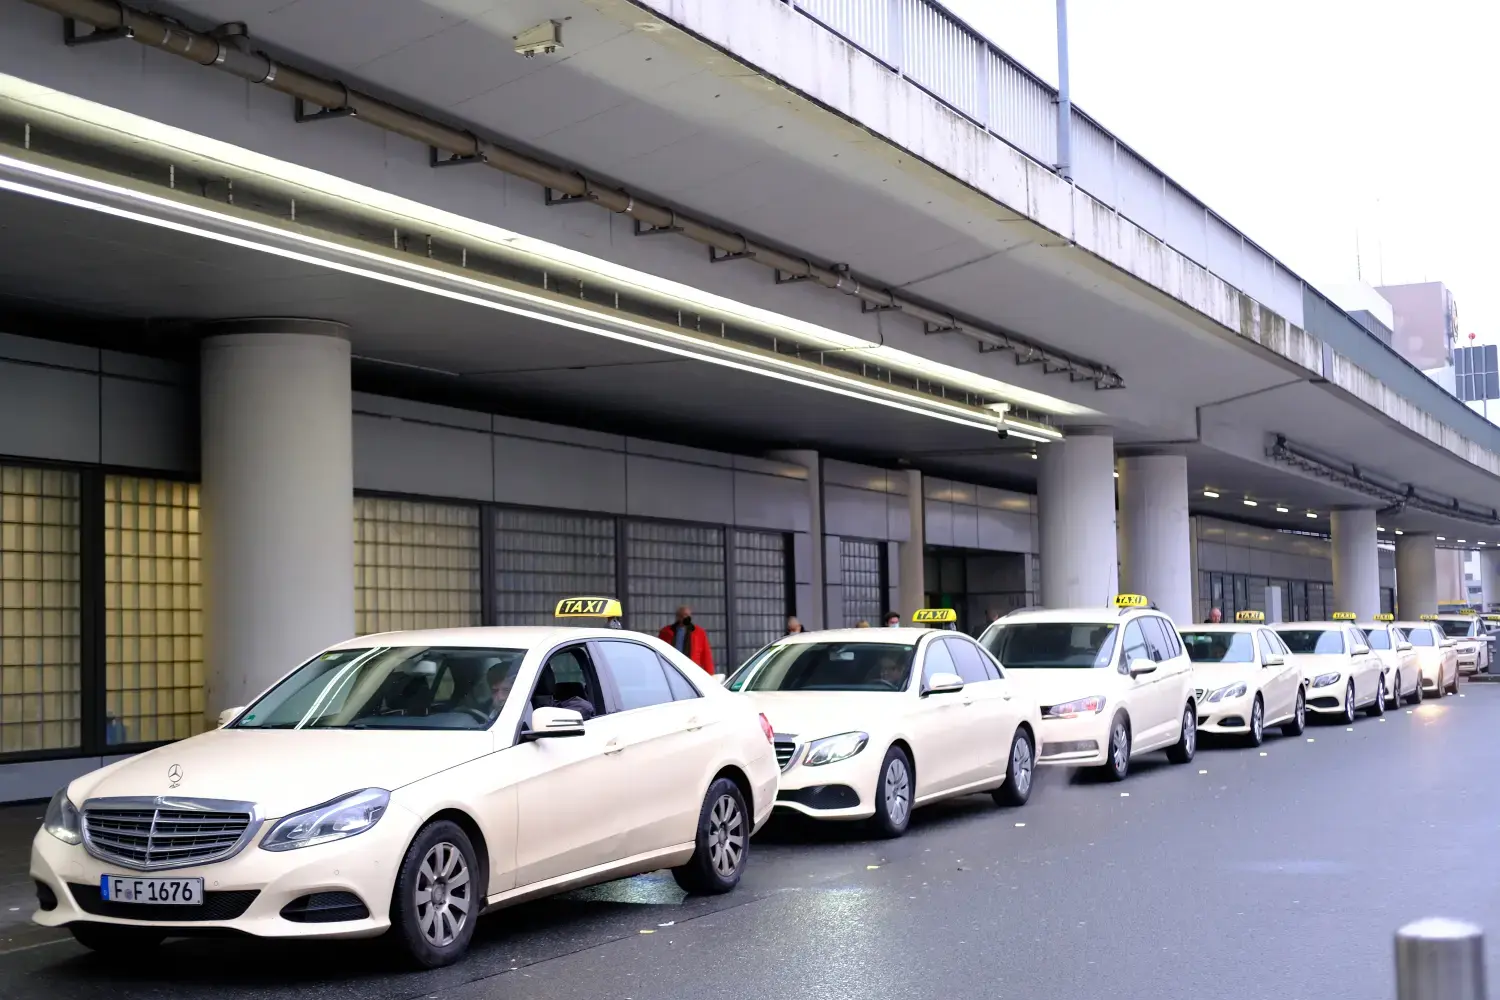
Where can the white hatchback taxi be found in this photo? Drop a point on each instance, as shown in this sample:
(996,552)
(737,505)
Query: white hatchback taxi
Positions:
(1244,679)
(871,723)
(1111,683)
(1403,665)
(1342,674)
(407,782)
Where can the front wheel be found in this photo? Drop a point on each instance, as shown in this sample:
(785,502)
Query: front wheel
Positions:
(1437,689)
(437,898)
(1377,708)
(1415,698)
(1182,751)
(114,941)
(1017,787)
(1257,734)
(1453,688)
(1394,694)
(893,795)
(1349,703)
(721,845)
(1298,721)
(1117,764)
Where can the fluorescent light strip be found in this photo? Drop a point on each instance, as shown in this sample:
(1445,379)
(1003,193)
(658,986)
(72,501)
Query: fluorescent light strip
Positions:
(1282,510)
(1211,494)
(753,364)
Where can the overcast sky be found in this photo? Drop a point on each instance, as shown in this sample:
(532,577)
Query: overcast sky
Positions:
(1314,126)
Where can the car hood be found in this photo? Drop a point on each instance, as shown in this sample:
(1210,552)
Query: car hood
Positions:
(283,771)
(1212,676)
(811,715)
(1055,687)
(1313,664)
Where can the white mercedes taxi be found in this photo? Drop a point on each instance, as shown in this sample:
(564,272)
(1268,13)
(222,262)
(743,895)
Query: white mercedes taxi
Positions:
(1437,654)
(409,781)
(1472,640)
(1342,673)
(871,723)
(1244,679)
(1403,666)
(1111,683)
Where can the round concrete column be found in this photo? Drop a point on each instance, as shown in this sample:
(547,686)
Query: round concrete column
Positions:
(1416,576)
(1356,563)
(1076,520)
(1156,554)
(1489,577)
(1450,575)
(278,501)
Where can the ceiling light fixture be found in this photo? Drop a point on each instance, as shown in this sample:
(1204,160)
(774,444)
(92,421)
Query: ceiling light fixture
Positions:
(1379,528)
(1249,503)
(1400,532)
(1463,541)
(1282,510)
(1211,494)
(1441,538)
(1312,514)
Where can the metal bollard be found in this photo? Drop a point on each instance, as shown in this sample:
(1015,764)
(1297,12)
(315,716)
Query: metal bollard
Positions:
(1440,959)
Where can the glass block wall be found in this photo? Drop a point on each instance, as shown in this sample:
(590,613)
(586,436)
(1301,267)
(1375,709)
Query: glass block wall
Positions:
(862,563)
(543,556)
(760,574)
(40,610)
(153,611)
(674,564)
(416,565)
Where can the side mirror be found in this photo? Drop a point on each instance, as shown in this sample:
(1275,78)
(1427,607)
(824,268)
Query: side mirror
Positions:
(553,723)
(1275,660)
(1361,650)
(229,715)
(943,684)
(1142,666)
(1449,643)
(1402,647)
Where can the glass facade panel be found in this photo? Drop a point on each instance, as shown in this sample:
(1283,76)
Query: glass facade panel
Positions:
(416,565)
(543,556)
(862,563)
(674,564)
(760,609)
(40,610)
(153,611)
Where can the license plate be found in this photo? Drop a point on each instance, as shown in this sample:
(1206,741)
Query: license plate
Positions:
(158,891)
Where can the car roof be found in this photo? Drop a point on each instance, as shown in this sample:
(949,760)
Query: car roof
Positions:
(1223,627)
(488,637)
(1079,616)
(1316,624)
(902,636)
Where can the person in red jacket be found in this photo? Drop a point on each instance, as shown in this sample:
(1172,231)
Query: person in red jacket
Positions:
(689,640)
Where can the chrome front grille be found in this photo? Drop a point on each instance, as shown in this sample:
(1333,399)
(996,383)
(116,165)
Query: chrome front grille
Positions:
(786,749)
(146,835)
(1198,694)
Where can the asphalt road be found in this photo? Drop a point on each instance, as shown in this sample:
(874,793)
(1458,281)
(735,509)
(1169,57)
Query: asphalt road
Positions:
(1279,873)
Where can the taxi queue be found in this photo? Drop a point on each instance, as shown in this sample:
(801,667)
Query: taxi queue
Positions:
(465,770)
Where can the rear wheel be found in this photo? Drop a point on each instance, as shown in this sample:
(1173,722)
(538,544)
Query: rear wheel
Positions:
(893,795)
(437,899)
(721,845)
(1182,751)
(1377,708)
(1017,787)
(1298,721)
(1117,764)
(115,941)
(1257,734)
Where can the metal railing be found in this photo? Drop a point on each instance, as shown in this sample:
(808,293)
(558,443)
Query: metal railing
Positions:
(1439,959)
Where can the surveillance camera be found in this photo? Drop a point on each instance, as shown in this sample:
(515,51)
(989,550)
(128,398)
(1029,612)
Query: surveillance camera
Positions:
(1002,432)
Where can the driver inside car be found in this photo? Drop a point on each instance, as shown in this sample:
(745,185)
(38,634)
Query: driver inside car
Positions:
(552,693)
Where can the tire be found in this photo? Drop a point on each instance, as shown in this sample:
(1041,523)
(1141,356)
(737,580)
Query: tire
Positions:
(1437,690)
(1186,746)
(894,791)
(722,845)
(1019,772)
(1116,765)
(1415,698)
(1298,722)
(437,897)
(1394,694)
(1453,688)
(1349,712)
(115,941)
(1257,734)
(1377,709)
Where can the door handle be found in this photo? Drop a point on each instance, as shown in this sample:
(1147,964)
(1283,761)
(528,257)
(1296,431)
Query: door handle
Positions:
(1006,696)
(693,725)
(612,747)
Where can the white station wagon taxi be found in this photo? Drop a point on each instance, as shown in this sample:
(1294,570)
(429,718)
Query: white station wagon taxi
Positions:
(1472,640)
(1244,679)
(1111,683)
(871,723)
(409,781)
(1437,654)
(1403,666)
(1342,674)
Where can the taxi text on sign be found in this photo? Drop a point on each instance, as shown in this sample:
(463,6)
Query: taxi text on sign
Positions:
(588,607)
(1130,601)
(935,615)
(1250,616)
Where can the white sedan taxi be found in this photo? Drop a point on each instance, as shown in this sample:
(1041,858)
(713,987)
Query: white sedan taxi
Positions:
(409,781)
(1342,674)
(1111,683)
(871,723)
(1244,679)
(1472,639)
(1437,654)
(1403,665)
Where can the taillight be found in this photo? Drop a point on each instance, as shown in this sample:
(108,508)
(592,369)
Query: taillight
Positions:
(765,727)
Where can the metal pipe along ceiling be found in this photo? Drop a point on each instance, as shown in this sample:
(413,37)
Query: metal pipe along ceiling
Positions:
(227,55)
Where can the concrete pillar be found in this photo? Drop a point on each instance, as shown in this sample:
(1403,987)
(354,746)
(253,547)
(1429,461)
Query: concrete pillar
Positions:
(913,577)
(1416,576)
(812,599)
(1450,576)
(1356,563)
(1076,520)
(278,501)
(1155,549)
(1489,577)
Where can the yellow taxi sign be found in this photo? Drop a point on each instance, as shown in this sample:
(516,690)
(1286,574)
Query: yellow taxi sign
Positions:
(1385,618)
(1250,616)
(588,607)
(1429,618)
(1130,601)
(1466,611)
(1344,616)
(1492,618)
(934,616)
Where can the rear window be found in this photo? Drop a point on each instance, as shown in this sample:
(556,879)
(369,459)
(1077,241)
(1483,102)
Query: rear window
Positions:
(1317,641)
(1219,647)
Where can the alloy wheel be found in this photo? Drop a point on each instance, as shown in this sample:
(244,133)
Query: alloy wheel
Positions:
(1119,747)
(1020,765)
(726,836)
(897,791)
(444,902)
(1189,731)
(1257,721)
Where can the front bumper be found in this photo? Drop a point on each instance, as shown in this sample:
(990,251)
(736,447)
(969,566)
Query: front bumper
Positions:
(1077,742)
(1329,699)
(1468,661)
(843,790)
(1231,715)
(245,893)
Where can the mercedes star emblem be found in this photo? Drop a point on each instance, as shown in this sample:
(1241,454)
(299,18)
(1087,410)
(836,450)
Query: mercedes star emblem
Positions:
(174,775)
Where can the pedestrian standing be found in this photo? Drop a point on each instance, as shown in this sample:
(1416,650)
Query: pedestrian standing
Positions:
(1215,616)
(862,624)
(689,639)
(892,619)
(793,626)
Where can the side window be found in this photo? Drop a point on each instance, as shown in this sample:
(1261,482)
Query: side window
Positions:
(966,657)
(567,681)
(1268,645)
(639,675)
(1156,641)
(681,689)
(1354,639)
(992,666)
(1174,641)
(1135,646)
(937,661)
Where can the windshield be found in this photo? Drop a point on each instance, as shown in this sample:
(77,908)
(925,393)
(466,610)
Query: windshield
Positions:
(1378,638)
(1054,645)
(1319,641)
(1219,647)
(828,666)
(1456,629)
(390,687)
(1420,636)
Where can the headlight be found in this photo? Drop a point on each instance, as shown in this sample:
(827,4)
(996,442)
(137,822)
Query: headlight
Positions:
(1072,709)
(1230,692)
(835,748)
(1323,680)
(62,819)
(343,817)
